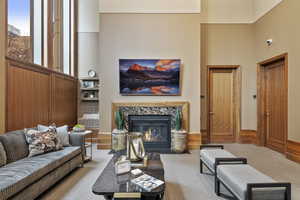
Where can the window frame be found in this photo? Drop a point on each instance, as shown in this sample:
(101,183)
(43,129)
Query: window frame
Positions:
(73,68)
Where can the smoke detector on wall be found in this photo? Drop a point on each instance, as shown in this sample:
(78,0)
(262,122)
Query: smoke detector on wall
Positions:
(269,42)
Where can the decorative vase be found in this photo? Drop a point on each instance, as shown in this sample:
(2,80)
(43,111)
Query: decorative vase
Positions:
(135,147)
(118,140)
(179,141)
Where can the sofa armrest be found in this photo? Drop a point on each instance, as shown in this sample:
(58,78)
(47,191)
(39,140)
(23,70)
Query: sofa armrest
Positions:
(252,186)
(210,146)
(78,140)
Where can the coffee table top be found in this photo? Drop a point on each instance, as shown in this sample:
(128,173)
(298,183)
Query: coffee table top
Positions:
(109,183)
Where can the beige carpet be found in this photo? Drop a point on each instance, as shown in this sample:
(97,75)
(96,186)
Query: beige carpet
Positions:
(184,181)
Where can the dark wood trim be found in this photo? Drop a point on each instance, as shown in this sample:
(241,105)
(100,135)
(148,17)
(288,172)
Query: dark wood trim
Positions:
(50,29)
(238,97)
(32,29)
(293,151)
(273,59)
(6,71)
(35,67)
(193,141)
(204,137)
(223,66)
(184,104)
(75,35)
(248,137)
(70,36)
(43,39)
(261,132)
(62,46)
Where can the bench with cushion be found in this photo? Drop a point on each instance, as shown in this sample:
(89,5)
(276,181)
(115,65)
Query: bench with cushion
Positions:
(246,183)
(208,155)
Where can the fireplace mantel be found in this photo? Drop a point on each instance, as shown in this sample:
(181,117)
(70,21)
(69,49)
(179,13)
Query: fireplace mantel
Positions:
(151,107)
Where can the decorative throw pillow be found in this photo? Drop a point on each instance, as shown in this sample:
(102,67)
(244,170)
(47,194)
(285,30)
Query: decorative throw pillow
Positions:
(42,142)
(3,158)
(62,133)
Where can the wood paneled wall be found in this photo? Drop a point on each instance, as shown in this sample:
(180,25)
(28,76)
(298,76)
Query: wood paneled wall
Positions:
(293,151)
(194,141)
(248,137)
(2,64)
(37,95)
(64,96)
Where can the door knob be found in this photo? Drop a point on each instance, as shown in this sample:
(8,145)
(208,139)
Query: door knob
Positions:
(211,113)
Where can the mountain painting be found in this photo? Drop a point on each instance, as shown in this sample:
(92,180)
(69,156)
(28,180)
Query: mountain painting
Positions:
(150,77)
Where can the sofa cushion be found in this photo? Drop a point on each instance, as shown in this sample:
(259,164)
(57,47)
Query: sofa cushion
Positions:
(62,133)
(16,176)
(15,145)
(3,159)
(208,156)
(236,178)
(42,142)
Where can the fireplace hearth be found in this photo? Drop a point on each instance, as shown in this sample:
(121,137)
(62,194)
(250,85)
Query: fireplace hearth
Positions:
(156,131)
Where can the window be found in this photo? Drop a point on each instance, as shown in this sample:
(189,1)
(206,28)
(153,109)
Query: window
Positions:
(63,20)
(42,32)
(19,36)
(38,32)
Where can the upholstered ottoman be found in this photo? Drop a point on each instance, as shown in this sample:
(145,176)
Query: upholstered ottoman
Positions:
(246,183)
(208,155)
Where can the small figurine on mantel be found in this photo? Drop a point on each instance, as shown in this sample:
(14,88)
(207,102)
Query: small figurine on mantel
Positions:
(179,135)
(119,134)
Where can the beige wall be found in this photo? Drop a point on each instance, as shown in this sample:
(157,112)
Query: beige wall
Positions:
(88,51)
(88,36)
(88,17)
(282,25)
(149,36)
(2,66)
(152,6)
(231,44)
(262,7)
(226,11)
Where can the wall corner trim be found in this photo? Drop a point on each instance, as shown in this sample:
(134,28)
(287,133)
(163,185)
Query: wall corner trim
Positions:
(293,151)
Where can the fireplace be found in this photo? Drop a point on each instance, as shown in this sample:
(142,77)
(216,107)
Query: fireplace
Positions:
(156,131)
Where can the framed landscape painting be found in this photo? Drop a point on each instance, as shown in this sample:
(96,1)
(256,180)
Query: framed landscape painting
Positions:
(155,77)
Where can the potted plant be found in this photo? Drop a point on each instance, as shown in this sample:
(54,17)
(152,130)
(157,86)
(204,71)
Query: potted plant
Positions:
(178,120)
(119,120)
(79,128)
(179,135)
(119,133)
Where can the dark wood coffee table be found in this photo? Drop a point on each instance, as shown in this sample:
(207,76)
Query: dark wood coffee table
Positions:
(109,183)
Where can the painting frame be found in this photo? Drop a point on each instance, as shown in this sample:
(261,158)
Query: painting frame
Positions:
(171,68)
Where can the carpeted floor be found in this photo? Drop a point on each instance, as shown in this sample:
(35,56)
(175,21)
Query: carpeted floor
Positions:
(184,181)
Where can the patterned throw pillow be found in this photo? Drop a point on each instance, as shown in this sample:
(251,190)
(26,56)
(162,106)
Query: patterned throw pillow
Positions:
(42,142)
(3,158)
(62,133)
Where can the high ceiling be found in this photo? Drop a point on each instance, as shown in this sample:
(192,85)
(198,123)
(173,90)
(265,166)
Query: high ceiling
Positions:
(211,11)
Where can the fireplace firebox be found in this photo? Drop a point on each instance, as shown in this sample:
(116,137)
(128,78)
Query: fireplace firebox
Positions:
(156,131)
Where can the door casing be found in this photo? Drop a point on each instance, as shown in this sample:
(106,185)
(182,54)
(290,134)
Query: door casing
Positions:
(237,100)
(261,99)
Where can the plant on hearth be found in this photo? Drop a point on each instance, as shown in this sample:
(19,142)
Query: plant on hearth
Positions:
(178,120)
(119,120)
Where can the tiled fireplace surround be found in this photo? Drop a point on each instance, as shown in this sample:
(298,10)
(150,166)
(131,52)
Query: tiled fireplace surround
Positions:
(153,108)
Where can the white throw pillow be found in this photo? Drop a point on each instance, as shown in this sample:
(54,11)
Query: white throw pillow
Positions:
(62,133)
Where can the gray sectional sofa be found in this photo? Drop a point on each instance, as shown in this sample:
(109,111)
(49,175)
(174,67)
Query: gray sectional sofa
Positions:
(26,178)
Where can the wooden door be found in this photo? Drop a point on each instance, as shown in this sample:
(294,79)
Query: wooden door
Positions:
(275,106)
(222,105)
